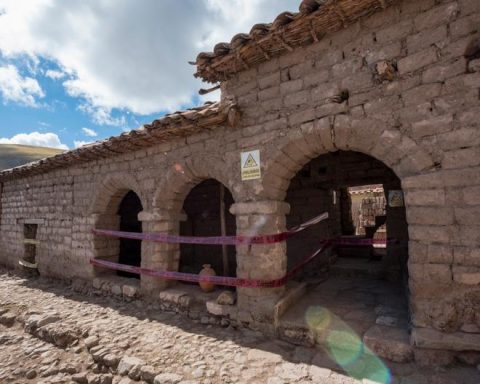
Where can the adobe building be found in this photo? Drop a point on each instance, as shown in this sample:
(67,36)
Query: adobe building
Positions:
(345,93)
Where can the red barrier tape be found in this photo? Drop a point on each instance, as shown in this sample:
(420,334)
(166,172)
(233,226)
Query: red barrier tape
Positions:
(217,280)
(235,281)
(212,240)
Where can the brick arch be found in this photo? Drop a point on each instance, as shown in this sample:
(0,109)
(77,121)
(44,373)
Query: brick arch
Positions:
(110,191)
(370,137)
(181,177)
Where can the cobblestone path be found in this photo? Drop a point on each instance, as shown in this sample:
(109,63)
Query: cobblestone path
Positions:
(52,334)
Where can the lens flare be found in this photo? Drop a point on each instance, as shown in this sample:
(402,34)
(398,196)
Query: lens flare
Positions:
(345,347)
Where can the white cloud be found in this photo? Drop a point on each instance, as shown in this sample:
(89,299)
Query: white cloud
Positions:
(81,143)
(137,58)
(49,139)
(55,75)
(102,116)
(17,89)
(89,132)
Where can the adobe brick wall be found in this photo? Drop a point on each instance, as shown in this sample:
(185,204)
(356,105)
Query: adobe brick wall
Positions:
(423,124)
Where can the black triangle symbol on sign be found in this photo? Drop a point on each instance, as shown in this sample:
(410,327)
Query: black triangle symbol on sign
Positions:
(250,162)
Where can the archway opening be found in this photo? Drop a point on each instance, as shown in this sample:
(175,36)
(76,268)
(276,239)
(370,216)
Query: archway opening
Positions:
(130,252)
(120,214)
(362,281)
(205,207)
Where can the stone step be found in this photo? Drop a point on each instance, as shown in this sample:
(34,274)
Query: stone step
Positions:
(355,267)
(391,343)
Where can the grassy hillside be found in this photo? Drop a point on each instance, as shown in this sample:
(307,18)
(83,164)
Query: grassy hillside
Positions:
(15,155)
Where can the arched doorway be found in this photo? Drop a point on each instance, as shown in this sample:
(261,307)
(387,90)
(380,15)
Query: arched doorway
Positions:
(353,188)
(130,252)
(363,285)
(119,214)
(205,206)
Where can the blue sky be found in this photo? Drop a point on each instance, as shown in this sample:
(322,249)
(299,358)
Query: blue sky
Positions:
(73,72)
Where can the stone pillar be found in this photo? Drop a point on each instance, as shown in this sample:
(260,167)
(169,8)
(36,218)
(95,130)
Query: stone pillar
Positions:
(258,261)
(159,256)
(106,248)
(395,261)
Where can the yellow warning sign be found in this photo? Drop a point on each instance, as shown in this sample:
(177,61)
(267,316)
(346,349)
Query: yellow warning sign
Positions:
(250,165)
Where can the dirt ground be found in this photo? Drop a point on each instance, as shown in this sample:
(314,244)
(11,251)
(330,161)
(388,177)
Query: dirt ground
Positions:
(50,333)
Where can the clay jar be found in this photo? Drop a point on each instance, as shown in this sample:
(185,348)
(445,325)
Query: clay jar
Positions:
(207,271)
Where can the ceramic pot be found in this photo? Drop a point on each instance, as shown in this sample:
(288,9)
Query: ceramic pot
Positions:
(207,271)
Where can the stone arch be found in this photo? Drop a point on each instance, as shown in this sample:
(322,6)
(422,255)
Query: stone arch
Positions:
(109,192)
(388,145)
(181,177)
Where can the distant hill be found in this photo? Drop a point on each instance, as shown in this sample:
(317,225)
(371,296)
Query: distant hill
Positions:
(13,155)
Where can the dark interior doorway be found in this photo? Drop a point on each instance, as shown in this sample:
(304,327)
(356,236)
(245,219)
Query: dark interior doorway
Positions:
(130,250)
(203,218)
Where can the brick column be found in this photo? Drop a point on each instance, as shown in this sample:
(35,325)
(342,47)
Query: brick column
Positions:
(159,256)
(266,262)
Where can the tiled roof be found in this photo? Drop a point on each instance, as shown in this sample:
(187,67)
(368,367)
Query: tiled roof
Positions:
(315,19)
(174,125)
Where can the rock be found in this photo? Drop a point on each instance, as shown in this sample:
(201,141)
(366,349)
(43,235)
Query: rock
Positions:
(59,334)
(127,363)
(116,289)
(167,378)
(215,309)
(319,374)
(226,298)
(385,70)
(36,321)
(433,357)
(390,343)
(389,321)
(175,297)
(125,380)
(80,378)
(458,341)
(7,319)
(31,374)
(111,360)
(100,379)
(97,283)
(106,378)
(91,341)
(269,357)
(130,291)
(147,373)
(134,373)
(291,372)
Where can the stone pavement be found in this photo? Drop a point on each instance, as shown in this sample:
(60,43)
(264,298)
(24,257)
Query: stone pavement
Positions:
(51,334)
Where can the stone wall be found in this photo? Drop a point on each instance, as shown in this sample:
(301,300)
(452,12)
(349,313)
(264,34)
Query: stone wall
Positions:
(396,86)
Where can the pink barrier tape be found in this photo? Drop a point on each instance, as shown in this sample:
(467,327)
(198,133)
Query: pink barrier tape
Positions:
(212,240)
(217,280)
(235,281)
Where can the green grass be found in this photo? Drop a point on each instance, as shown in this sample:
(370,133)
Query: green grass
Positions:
(12,155)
